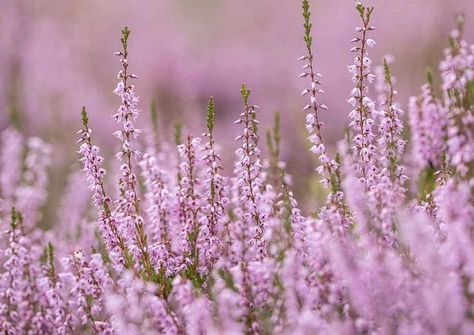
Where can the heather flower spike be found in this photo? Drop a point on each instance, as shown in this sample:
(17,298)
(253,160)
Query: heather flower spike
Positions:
(328,166)
(335,211)
(128,209)
(108,224)
(363,113)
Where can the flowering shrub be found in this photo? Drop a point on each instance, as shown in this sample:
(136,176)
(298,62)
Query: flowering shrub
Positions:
(184,247)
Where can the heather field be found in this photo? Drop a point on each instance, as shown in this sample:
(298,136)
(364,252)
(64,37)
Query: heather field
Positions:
(236,167)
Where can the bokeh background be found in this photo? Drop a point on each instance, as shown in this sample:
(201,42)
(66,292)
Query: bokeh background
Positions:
(56,56)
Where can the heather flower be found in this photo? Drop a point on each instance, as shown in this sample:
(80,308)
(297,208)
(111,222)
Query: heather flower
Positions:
(334,211)
(190,204)
(313,124)
(390,129)
(456,211)
(158,210)
(136,309)
(248,170)
(373,279)
(427,119)
(157,197)
(107,222)
(57,312)
(442,310)
(458,85)
(214,211)
(227,304)
(20,309)
(87,280)
(388,193)
(195,312)
(128,204)
(363,114)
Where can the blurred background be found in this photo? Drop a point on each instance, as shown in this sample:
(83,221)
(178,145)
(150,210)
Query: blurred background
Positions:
(56,56)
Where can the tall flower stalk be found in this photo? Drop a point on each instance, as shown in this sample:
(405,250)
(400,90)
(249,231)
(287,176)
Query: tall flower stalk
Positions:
(248,171)
(216,195)
(363,113)
(335,211)
(458,88)
(95,173)
(128,204)
(313,123)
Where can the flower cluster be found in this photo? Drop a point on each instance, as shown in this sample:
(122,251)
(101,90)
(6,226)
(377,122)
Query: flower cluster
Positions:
(458,87)
(213,252)
(363,113)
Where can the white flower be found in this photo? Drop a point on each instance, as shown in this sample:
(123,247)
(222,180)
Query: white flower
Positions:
(371,43)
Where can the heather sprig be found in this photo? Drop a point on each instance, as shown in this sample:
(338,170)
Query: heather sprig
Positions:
(248,171)
(363,113)
(128,205)
(217,201)
(190,206)
(391,128)
(314,125)
(335,211)
(458,95)
(107,221)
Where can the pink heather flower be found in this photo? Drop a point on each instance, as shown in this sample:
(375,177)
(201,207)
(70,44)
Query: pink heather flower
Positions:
(389,192)
(212,225)
(248,179)
(87,281)
(427,119)
(248,302)
(391,124)
(437,299)
(19,294)
(313,124)
(128,210)
(457,73)
(136,309)
(107,222)
(58,316)
(373,279)
(195,312)
(227,308)
(334,209)
(456,210)
(363,114)
(335,212)
(190,203)
(158,200)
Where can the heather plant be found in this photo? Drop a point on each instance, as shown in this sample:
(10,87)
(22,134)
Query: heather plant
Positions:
(175,244)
